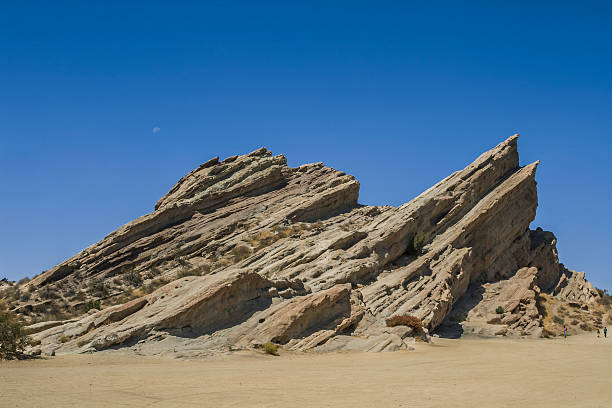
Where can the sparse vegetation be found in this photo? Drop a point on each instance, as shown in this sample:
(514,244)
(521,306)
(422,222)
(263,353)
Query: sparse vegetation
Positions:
(49,293)
(92,304)
(270,348)
(132,278)
(499,310)
(98,287)
(240,252)
(604,297)
(558,320)
(23,281)
(405,320)
(154,284)
(64,338)
(189,272)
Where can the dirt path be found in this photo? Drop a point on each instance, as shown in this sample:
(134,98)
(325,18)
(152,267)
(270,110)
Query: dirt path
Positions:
(455,373)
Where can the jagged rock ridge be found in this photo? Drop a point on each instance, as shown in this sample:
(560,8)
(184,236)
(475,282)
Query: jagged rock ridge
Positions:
(265,252)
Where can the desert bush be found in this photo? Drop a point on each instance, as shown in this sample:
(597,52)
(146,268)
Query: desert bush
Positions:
(416,244)
(558,319)
(98,287)
(11,294)
(25,296)
(405,320)
(499,310)
(49,293)
(133,278)
(13,338)
(241,252)
(270,348)
(23,281)
(92,304)
(63,338)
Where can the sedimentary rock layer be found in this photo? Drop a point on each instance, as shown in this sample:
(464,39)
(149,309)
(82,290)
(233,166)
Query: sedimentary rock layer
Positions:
(256,251)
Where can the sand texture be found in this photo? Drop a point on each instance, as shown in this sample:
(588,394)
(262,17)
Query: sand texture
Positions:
(457,373)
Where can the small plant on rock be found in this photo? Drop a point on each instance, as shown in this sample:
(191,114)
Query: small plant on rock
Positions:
(92,304)
(416,244)
(499,310)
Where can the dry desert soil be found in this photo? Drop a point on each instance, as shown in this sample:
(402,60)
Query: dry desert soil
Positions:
(576,372)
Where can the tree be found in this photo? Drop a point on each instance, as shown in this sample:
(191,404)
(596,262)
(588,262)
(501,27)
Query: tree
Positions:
(13,338)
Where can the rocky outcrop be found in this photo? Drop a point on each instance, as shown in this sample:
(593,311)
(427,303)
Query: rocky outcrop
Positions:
(252,251)
(507,307)
(573,287)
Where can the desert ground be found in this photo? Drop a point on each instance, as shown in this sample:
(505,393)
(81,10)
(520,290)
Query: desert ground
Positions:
(575,372)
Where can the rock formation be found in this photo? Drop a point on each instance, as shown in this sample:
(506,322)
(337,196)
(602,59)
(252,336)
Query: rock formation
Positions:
(251,250)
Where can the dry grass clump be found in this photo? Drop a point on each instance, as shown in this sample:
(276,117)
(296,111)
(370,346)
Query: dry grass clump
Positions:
(405,320)
(154,285)
(132,278)
(240,252)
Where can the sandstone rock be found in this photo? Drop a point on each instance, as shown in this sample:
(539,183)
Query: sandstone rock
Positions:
(256,251)
(572,286)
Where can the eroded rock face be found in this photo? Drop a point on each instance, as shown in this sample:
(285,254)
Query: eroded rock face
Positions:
(573,287)
(506,307)
(287,255)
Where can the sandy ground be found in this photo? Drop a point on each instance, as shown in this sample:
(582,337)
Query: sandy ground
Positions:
(576,372)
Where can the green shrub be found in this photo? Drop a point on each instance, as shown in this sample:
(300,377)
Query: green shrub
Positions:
(64,338)
(270,348)
(92,304)
(499,310)
(405,320)
(13,339)
(416,244)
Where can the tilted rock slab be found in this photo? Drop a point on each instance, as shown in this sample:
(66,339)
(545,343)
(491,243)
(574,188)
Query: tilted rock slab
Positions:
(288,255)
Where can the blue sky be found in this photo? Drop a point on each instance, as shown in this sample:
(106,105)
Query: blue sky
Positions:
(400,94)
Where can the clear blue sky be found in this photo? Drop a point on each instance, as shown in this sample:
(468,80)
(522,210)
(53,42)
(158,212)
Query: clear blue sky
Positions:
(400,94)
